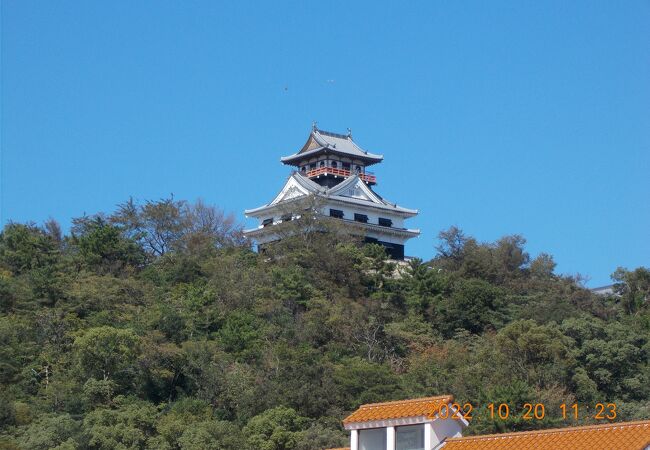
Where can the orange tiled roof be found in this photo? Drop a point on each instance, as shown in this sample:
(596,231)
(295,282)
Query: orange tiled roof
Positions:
(611,436)
(416,407)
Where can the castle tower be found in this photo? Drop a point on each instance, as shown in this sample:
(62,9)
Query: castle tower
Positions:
(332,168)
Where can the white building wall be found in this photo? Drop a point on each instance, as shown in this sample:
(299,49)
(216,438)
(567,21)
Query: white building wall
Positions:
(390,438)
(428,436)
(348,214)
(435,431)
(392,239)
(373,214)
(354,440)
(445,428)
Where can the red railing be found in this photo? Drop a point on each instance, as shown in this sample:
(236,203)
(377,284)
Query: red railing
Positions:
(367,176)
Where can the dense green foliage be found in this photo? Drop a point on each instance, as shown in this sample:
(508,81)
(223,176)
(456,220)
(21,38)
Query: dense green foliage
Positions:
(157,327)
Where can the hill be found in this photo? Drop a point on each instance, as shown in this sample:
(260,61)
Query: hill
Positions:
(157,327)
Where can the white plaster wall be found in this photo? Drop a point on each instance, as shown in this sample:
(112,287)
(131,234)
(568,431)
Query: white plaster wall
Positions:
(445,428)
(387,237)
(373,215)
(434,431)
(354,440)
(348,214)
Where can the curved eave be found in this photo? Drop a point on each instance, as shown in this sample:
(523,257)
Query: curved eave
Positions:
(250,212)
(257,212)
(294,160)
(401,232)
(271,206)
(364,203)
(321,137)
(344,200)
(404,232)
(255,231)
(309,185)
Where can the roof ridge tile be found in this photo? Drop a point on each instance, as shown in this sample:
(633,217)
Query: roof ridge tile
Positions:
(411,400)
(418,407)
(580,428)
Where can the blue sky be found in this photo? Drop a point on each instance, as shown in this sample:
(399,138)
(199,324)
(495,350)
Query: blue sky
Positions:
(528,117)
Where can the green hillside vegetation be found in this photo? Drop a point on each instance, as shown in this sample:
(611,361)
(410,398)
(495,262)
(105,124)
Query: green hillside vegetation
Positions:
(157,327)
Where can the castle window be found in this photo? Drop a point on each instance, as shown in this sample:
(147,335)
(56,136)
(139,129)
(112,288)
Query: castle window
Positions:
(385,222)
(346,166)
(322,164)
(360,218)
(334,164)
(267,222)
(336,213)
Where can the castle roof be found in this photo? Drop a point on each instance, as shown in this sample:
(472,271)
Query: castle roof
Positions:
(325,142)
(351,190)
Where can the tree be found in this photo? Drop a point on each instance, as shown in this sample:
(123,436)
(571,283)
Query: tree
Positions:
(104,344)
(496,262)
(129,424)
(542,266)
(26,247)
(241,335)
(473,305)
(421,285)
(98,392)
(452,244)
(107,353)
(279,428)
(538,354)
(299,378)
(613,356)
(179,417)
(323,434)
(8,291)
(211,435)
(633,287)
(103,247)
(510,254)
(7,411)
(358,381)
(50,431)
(210,227)
(168,224)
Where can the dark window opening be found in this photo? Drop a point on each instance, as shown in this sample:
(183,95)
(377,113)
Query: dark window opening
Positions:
(322,164)
(286,218)
(336,213)
(346,166)
(361,218)
(267,222)
(385,222)
(394,251)
(334,164)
